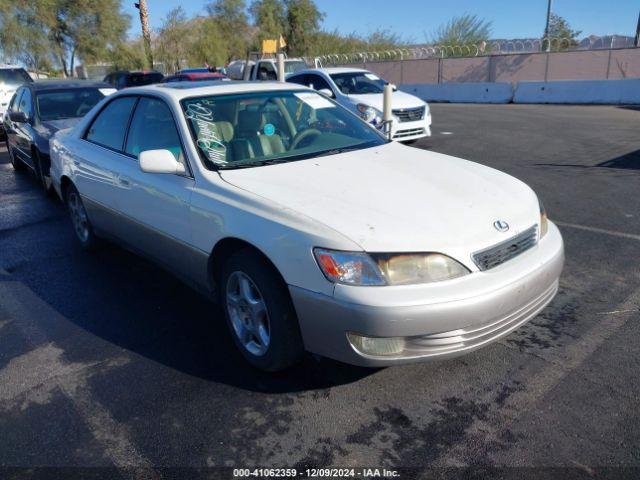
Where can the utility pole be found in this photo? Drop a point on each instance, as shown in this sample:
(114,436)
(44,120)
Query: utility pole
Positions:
(637,40)
(546,30)
(146,36)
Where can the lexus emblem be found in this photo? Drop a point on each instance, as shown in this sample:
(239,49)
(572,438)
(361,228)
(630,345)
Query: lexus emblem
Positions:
(501,225)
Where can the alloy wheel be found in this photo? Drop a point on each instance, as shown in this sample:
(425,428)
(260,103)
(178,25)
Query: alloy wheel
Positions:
(248,313)
(78,216)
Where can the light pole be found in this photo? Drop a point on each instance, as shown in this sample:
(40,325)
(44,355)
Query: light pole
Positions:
(637,39)
(146,36)
(546,30)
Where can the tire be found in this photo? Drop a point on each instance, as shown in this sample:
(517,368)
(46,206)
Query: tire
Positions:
(79,218)
(17,164)
(248,321)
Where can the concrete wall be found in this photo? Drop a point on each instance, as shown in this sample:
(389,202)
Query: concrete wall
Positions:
(513,68)
(461,92)
(616,92)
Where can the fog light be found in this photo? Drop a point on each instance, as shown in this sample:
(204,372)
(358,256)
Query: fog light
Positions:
(378,346)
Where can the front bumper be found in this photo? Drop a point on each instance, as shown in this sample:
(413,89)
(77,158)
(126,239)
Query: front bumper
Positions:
(408,131)
(436,321)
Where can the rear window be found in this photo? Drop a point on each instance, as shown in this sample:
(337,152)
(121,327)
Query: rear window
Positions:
(72,103)
(14,76)
(139,79)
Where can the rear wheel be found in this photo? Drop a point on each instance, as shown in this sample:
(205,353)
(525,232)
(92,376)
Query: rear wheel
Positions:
(259,312)
(81,224)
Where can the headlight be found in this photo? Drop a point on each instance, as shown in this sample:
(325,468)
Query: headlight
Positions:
(357,268)
(544,221)
(370,114)
(416,268)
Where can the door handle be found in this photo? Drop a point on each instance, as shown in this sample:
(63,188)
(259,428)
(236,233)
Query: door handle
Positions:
(125,182)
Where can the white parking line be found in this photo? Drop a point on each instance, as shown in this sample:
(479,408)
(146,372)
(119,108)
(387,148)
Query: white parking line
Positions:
(570,358)
(598,230)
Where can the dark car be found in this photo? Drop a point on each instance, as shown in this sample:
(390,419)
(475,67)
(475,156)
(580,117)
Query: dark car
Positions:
(194,77)
(38,110)
(11,77)
(124,79)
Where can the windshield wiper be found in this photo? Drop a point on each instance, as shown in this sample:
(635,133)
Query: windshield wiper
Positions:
(259,163)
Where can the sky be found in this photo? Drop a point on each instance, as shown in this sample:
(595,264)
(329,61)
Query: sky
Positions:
(417,20)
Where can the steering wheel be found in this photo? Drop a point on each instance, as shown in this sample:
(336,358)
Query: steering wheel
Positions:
(309,132)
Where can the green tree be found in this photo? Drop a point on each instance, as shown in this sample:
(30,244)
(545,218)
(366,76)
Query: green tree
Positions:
(208,45)
(173,40)
(561,35)
(463,30)
(269,16)
(303,24)
(232,21)
(22,36)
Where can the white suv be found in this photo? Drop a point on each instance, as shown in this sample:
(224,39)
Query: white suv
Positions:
(361,92)
(11,77)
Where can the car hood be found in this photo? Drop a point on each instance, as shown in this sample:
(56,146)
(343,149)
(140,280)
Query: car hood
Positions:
(396,198)
(398,100)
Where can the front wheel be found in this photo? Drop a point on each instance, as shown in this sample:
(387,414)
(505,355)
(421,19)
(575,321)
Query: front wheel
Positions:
(259,312)
(80,219)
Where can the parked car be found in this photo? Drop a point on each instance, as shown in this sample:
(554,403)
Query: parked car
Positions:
(361,92)
(264,69)
(126,79)
(194,77)
(313,231)
(11,77)
(40,109)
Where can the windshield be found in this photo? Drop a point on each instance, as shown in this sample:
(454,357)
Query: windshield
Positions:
(14,76)
(357,83)
(291,66)
(258,128)
(71,103)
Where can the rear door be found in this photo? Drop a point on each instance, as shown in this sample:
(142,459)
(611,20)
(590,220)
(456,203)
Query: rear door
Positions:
(98,162)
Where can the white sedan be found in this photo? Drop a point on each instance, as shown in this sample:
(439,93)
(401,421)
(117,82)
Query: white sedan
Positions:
(312,230)
(361,92)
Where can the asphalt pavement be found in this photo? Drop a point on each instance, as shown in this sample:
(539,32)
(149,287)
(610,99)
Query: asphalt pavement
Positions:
(108,361)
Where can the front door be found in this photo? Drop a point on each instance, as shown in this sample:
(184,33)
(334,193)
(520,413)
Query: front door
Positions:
(157,205)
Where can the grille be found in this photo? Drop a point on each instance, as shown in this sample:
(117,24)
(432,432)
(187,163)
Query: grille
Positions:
(505,251)
(409,114)
(409,133)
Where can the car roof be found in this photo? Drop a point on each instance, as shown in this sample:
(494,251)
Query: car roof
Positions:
(8,66)
(180,90)
(331,71)
(56,84)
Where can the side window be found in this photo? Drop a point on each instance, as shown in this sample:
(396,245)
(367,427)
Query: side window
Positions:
(299,79)
(25,103)
(266,71)
(109,127)
(15,101)
(121,81)
(317,82)
(153,128)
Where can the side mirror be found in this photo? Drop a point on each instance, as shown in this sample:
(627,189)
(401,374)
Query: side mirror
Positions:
(160,161)
(326,92)
(18,117)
